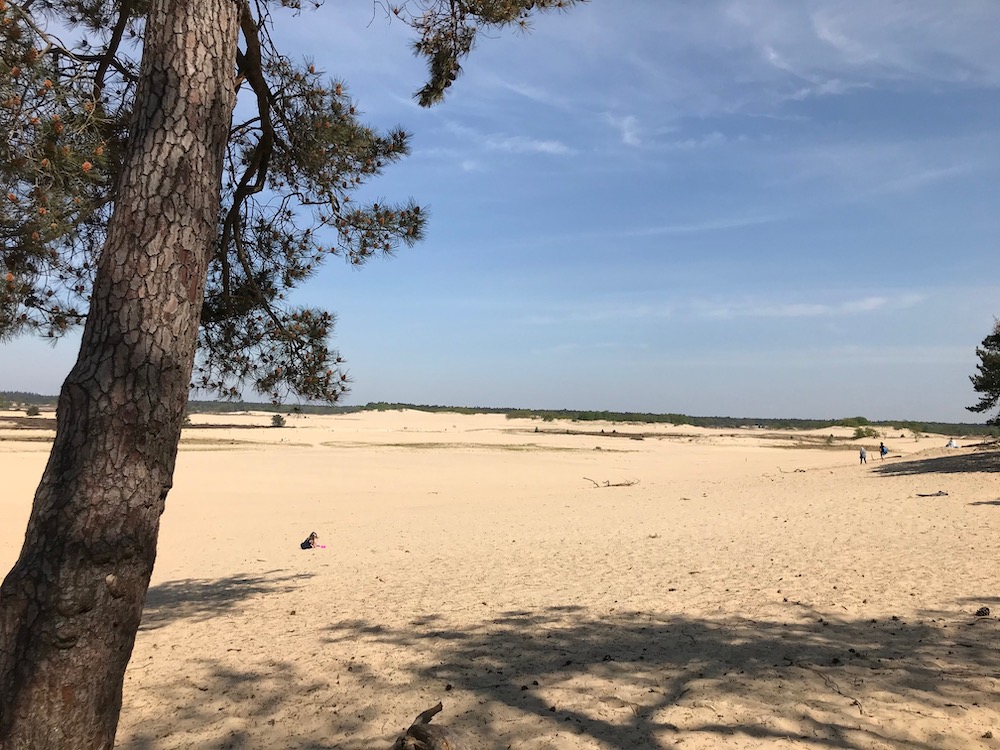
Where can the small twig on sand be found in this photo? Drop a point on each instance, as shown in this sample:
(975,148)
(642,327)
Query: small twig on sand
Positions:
(626,483)
(834,687)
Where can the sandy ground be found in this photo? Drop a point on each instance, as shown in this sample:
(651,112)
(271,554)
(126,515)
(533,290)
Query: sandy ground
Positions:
(730,588)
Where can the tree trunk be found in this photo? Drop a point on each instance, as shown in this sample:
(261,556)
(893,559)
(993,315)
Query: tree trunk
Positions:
(71,606)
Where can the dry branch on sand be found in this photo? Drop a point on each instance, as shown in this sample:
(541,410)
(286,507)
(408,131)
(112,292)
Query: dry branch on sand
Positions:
(607,483)
(422,736)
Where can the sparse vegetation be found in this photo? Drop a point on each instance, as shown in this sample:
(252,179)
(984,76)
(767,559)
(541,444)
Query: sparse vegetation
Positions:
(278,421)
(32,411)
(860,433)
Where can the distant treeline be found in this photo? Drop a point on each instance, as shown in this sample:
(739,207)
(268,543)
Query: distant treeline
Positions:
(209,407)
(576,415)
(228,407)
(19,397)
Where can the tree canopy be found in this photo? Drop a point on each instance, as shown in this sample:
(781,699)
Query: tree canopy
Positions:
(294,162)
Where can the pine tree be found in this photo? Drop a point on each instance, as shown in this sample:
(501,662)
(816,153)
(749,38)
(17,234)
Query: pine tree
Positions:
(135,205)
(987,380)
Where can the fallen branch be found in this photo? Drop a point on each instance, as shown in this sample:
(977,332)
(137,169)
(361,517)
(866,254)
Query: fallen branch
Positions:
(939,493)
(422,736)
(626,483)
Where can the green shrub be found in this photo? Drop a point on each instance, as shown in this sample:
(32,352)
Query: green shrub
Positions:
(32,411)
(865,432)
(277,421)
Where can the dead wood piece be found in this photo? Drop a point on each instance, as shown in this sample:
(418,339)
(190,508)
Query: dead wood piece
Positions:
(607,483)
(423,736)
(939,493)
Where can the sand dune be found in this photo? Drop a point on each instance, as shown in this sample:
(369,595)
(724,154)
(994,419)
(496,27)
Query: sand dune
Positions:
(738,588)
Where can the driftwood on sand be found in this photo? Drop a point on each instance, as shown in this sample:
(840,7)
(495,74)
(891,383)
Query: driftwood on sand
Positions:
(607,483)
(423,736)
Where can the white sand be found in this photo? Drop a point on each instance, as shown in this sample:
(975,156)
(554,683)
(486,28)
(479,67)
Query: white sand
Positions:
(741,593)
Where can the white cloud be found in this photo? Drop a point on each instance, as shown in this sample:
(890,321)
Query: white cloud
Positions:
(710,225)
(611,311)
(628,127)
(515,144)
(756,308)
(832,87)
(519,144)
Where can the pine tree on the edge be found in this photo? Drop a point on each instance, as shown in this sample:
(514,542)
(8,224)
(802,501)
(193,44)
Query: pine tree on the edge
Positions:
(133,204)
(986,381)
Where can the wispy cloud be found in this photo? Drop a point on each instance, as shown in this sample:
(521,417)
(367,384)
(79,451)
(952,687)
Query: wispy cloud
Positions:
(611,311)
(755,308)
(514,144)
(598,312)
(879,167)
(821,357)
(708,140)
(710,225)
(628,128)
(831,87)
(535,94)
(519,144)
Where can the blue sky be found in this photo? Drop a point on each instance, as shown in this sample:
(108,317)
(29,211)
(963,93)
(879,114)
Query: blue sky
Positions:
(768,208)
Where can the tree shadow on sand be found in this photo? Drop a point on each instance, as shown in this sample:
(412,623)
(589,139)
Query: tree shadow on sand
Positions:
(985,461)
(563,677)
(640,680)
(203,598)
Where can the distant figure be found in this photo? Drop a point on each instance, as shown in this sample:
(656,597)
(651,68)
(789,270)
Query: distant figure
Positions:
(882,450)
(311,541)
(951,443)
(864,455)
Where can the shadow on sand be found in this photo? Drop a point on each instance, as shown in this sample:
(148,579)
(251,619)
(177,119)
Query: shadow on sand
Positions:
(563,677)
(202,599)
(985,460)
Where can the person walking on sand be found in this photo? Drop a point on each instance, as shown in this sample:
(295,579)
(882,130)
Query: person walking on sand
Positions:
(864,455)
(882,450)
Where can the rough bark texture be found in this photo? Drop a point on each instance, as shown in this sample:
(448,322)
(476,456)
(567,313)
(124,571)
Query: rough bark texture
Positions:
(71,606)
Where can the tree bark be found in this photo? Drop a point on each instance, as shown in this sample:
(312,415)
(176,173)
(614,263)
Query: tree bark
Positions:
(71,606)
